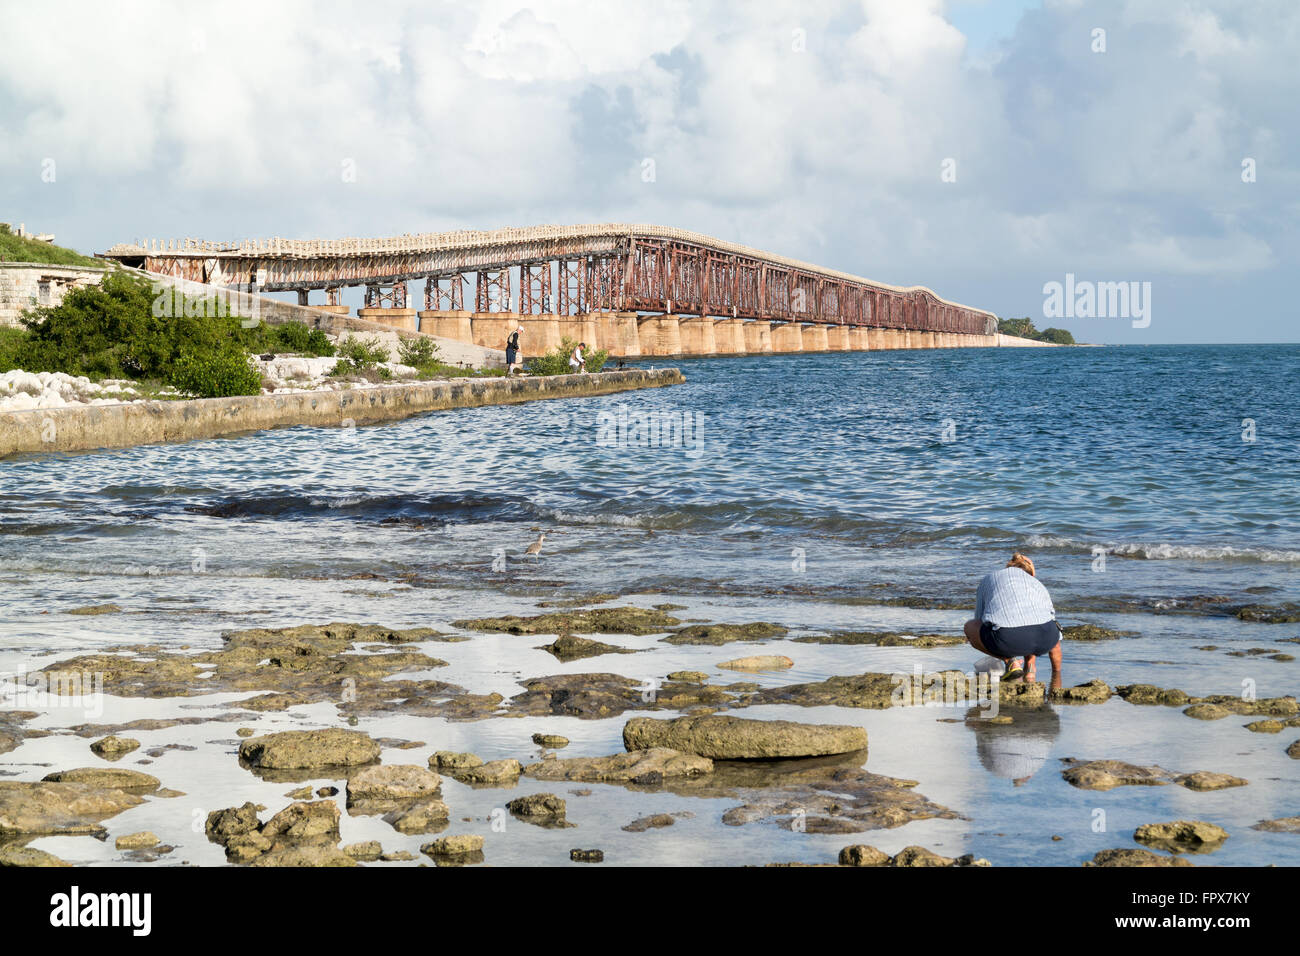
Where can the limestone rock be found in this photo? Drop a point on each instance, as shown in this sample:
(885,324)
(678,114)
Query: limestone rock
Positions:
(543,809)
(314,822)
(114,748)
(553,741)
(642,766)
(365,852)
(587,856)
(1149,694)
(315,855)
(1280,825)
(451,760)
(309,749)
(613,620)
(494,773)
(736,738)
(1181,835)
(387,784)
(1096,691)
(105,777)
(143,840)
(63,808)
(28,856)
(1266,726)
(222,825)
(758,662)
(568,647)
(1129,856)
(725,633)
(463,844)
(862,855)
(656,821)
(424,816)
(1207,712)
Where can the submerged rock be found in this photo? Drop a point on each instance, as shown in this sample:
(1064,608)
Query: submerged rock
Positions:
(541,809)
(113,779)
(1207,712)
(883,639)
(1182,836)
(1096,691)
(594,696)
(451,760)
(384,785)
(689,677)
(27,856)
(464,844)
(1129,856)
(59,808)
(758,662)
(143,840)
(643,766)
(309,750)
(1266,726)
(613,620)
(656,821)
(1294,750)
(1149,694)
(553,741)
(1280,825)
(567,647)
(1286,613)
(494,773)
(1108,774)
(737,738)
(114,748)
(725,633)
(1093,632)
(877,691)
(587,856)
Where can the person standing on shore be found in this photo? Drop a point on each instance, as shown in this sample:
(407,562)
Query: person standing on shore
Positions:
(1015,620)
(512,350)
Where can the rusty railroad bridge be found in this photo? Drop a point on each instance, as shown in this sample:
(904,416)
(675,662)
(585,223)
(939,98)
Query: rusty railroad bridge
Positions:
(632,289)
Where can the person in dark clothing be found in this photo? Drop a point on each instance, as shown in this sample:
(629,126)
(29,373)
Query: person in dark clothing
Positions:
(512,350)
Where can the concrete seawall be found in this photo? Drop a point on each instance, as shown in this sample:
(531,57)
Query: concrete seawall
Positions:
(81,428)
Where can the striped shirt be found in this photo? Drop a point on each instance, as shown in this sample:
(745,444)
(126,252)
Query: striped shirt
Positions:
(1012,598)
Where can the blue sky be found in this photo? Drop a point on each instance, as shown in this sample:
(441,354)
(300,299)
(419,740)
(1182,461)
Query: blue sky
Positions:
(985,149)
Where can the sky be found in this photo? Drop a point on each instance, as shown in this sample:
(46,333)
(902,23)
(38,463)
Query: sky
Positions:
(992,150)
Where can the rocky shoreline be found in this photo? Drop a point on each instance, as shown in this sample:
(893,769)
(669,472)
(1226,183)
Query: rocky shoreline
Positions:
(684,738)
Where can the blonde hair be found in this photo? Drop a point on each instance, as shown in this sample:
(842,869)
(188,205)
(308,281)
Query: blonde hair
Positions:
(1022,562)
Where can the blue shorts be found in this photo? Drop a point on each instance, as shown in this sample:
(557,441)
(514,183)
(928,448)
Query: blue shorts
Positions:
(1027,641)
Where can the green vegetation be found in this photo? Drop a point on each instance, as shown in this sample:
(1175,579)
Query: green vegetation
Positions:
(556,361)
(112,330)
(21,249)
(361,358)
(421,354)
(1024,328)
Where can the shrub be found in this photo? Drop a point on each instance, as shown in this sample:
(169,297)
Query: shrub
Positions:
(216,375)
(421,353)
(291,337)
(556,361)
(357,356)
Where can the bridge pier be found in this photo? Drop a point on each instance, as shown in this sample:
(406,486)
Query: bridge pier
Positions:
(541,333)
(660,334)
(697,335)
(729,336)
(394,318)
(582,327)
(814,338)
(859,338)
(335,309)
(758,336)
(489,330)
(837,338)
(617,333)
(787,337)
(447,325)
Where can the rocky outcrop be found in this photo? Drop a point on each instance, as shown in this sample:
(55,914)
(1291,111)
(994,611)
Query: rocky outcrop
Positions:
(1129,856)
(758,662)
(383,787)
(27,856)
(422,816)
(1093,632)
(60,808)
(1182,836)
(596,696)
(551,741)
(143,840)
(716,634)
(883,639)
(114,748)
(106,778)
(450,760)
(302,834)
(1280,825)
(567,647)
(736,738)
(643,767)
(1094,692)
(1108,774)
(309,750)
(460,846)
(540,809)
(612,620)
(877,691)
(1149,694)
(494,773)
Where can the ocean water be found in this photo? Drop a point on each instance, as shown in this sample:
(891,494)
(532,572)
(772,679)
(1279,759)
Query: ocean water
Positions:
(1155,488)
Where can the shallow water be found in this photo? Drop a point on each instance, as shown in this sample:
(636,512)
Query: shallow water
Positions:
(808,488)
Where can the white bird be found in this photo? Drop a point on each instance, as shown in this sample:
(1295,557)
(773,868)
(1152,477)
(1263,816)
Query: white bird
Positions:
(536,547)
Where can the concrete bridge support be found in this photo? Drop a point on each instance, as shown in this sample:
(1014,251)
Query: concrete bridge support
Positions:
(393,318)
(660,334)
(729,336)
(859,338)
(758,337)
(448,325)
(697,335)
(541,333)
(814,338)
(618,333)
(584,327)
(787,337)
(491,328)
(837,338)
